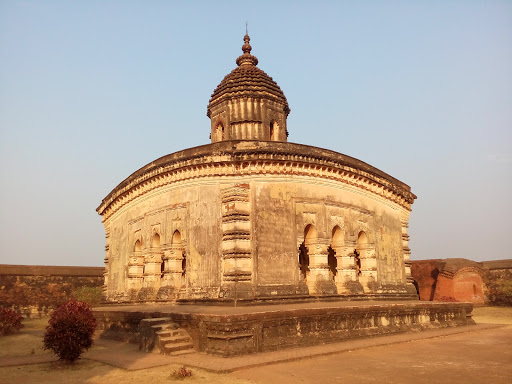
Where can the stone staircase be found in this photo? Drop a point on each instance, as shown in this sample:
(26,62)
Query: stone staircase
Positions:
(164,336)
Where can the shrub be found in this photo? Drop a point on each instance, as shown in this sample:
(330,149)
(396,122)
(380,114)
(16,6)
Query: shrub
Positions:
(10,321)
(70,330)
(448,299)
(182,372)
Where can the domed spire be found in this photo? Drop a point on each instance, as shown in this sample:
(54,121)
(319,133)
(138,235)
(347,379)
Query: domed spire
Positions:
(246,58)
(248,104)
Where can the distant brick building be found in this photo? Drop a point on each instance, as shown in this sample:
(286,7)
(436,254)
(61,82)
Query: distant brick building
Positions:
(463,280)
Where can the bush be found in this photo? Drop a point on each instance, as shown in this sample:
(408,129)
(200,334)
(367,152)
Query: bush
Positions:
(10,321)
(448,299)
(70,330)
(182,372)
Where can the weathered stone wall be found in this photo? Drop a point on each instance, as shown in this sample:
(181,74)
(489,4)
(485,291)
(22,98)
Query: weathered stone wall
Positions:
(272,329)
(267,255)
(230,219)
(36,290)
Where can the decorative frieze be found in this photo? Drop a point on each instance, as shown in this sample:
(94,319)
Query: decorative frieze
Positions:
(285,164)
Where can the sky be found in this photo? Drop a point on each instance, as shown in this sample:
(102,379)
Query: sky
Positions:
(91,91)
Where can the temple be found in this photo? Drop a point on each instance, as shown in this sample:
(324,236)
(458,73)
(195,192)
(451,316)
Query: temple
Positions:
(253,217)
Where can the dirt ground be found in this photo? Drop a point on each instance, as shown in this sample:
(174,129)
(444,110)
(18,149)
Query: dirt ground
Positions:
(483,356)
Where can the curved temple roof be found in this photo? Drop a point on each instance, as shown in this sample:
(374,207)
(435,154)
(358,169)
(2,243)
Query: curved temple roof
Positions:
(247,80)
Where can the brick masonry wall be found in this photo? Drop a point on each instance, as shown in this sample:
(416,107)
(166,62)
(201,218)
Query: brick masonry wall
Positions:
(36,290)
(488,282)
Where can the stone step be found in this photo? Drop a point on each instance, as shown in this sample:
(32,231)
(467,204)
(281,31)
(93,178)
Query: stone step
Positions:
(170,348)
(156,321)
(175,340)
(164,326)
(171,332)
(182,352)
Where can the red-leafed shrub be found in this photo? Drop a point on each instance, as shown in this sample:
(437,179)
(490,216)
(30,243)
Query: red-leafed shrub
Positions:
(70,330)
(448,299)
(182,372)
(10,321)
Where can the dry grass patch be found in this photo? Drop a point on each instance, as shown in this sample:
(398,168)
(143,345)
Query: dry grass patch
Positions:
(493,315)
(86,371)
(29,341)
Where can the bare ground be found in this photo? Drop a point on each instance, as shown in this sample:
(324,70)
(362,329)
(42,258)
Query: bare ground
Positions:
(474,357)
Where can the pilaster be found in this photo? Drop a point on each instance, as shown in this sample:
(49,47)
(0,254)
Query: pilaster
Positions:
(319,280)
(237,262)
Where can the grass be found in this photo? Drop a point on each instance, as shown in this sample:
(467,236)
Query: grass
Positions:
(493,315)
(28,342)
(85,371)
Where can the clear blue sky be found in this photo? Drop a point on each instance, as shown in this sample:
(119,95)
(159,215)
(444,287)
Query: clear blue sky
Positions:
(90,91)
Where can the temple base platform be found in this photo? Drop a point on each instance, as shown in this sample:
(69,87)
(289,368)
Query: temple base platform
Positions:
(231,331)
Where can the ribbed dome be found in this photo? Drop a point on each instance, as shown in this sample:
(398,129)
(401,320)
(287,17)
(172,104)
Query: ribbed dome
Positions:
(248,81)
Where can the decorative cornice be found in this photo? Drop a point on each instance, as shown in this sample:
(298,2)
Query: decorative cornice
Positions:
(256,158)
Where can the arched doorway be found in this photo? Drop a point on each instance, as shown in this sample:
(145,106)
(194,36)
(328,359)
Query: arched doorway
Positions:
(334,251)
(310,237)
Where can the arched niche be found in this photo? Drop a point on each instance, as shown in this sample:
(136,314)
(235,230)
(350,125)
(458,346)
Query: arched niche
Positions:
(137,246)
(310,235)
(155,240)
(274,131)
(176,238)
(220,132)
(362,240)
(338,237)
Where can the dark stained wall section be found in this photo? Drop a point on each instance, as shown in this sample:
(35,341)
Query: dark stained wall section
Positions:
(34,290)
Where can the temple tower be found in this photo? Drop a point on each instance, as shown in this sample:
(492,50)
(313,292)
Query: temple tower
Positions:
(248,104)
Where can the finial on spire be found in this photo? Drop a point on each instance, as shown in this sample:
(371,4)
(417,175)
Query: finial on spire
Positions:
(246,47)
(247,58)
